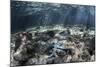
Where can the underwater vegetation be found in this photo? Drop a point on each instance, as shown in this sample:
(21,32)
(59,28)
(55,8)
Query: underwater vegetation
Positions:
(53,45)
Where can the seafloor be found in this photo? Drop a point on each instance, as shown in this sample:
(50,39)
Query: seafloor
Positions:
(52,45)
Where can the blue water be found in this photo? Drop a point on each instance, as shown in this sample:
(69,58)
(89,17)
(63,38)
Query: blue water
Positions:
(26,14)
